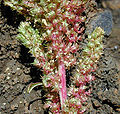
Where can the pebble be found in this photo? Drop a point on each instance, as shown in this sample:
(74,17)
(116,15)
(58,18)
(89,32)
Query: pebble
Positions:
(3,106)
(14,106)
(4,103)
(8,73)
(115,47)
(1,88)
(15,80)
(2,77)
(103,20)
(96,103)
(112,4)
(18,68)
(20,102)
(8,77)
(7,69)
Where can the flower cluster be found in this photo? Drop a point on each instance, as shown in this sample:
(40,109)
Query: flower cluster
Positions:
(82,75)
(54,41)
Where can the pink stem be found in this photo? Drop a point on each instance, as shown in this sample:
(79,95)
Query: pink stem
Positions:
(63,91)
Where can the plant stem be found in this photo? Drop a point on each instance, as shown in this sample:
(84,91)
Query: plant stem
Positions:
(63,90)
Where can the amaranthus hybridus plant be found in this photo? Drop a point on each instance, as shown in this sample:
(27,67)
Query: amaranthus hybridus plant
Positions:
(54,42)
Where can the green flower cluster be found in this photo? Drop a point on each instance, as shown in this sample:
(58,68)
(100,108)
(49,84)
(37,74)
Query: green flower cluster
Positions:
(82,74)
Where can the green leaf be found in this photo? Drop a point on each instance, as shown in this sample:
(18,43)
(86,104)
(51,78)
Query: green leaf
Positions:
(33,85)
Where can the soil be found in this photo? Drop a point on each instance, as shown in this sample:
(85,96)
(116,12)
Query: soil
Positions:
(16,71)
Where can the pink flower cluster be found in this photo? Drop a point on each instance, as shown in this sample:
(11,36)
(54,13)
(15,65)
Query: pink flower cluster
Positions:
(55,46)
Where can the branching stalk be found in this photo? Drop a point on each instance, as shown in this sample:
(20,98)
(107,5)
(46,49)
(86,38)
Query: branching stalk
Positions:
(63,90)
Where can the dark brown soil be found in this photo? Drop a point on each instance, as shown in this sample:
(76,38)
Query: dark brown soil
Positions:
(16,72)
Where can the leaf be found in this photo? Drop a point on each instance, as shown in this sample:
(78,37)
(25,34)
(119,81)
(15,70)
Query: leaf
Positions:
(33,85)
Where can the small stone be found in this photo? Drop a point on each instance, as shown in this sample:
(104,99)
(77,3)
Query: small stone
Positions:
(18,68)
(115,47)
(96,103)
(103,20)
(7,69)
(8,73)
(14,106)
(15,80)
(112,4)
(3,106)
(26,78)
(1,88)
(4,103)
(8,78)
(100,93)
(20,102)
(27,71)
(118,109)
(2,77)
(115,91)
(13,72)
